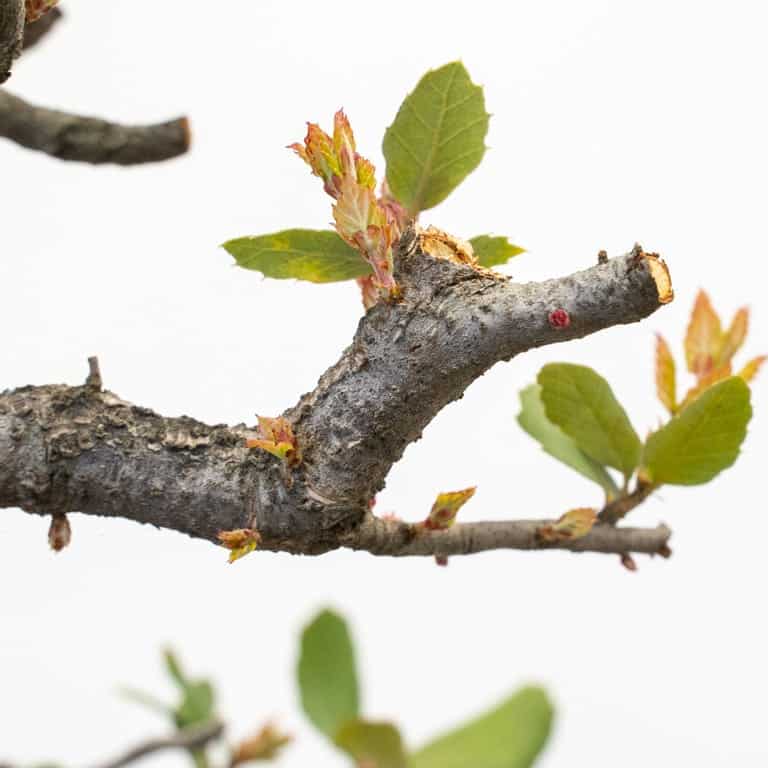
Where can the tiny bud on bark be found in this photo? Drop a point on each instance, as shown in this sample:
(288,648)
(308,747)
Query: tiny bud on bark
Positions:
(628,562)
(559,318)
(59,534)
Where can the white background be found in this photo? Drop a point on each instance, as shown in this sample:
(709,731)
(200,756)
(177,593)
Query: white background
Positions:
(612,122)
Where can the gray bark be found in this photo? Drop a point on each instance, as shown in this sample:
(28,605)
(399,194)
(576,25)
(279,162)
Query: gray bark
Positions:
(82,449)
(88,139)
(12,14)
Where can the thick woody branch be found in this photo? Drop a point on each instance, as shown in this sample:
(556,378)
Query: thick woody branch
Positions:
(66,449)
(397,539)
(88,139)
(12,15)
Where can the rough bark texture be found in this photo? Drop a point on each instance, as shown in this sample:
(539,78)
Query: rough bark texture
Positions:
(12,15)
(82,449)
(88,139)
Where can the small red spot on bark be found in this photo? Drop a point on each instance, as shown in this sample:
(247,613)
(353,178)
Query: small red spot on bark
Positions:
(559,318)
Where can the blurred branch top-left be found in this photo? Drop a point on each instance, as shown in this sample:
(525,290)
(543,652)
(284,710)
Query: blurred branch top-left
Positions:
(61,134)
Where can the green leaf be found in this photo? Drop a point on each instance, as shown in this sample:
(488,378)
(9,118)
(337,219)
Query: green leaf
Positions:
(376,744)
(436,139)
(197,704)
(510,736)
(319,256)
(581,403)
(327,675)
(173,668)
(703,439)
(533,419)
(492,251)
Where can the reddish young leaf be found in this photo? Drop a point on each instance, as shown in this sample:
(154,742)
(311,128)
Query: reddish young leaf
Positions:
(666,387)
(704,337)
(265,744)
(369,224)
(239,542)
(734,337)
(37,8)
(276,436)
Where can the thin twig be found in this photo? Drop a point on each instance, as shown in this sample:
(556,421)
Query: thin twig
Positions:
(88,139)
(93,380)
(189,738)
(619,508)
(398,539)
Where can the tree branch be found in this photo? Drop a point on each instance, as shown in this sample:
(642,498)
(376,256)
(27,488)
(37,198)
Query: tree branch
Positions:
(88,139)
(189,738)
(12,15)
(81,449)
(36,31)
(398,539)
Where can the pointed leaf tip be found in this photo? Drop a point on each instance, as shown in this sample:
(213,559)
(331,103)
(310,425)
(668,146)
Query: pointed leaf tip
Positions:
(446,507)
(493,251)
(703,337)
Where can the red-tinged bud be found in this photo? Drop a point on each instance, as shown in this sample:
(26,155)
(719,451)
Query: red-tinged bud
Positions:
(628,562)
(263,745)
(59,534)
(441,560)
(37,8)
(559,318)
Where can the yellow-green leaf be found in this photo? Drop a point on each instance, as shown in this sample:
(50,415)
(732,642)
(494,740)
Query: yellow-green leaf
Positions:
(533,419)
(703,338)
(750,370)
(436,139)
(666,387)
(493,251)
(582,404)
(377,745)
(574,524)
(318,256)
(327,674)
(703,439)
(510,736)
(446,507)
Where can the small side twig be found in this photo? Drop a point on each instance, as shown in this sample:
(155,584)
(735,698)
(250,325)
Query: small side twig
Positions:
(615,510)
(89,139)
(93,380)
(189,738)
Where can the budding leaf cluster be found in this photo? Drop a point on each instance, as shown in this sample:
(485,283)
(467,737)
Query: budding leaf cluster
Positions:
(436,139)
